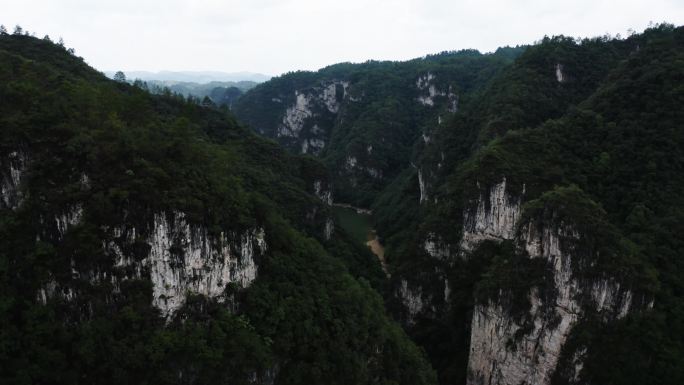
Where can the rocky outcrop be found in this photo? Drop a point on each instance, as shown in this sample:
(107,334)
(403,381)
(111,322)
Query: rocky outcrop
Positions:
(422,187)
(560,77)
(297,122)
(324,193)
(512,349)
(493,217)
(428,93)
(330,94)
(436,247)
(295,116)
(12,170)
(412,299)
(181,259)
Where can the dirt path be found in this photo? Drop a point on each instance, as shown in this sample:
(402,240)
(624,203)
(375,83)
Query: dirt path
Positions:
(377,248)
(357,209)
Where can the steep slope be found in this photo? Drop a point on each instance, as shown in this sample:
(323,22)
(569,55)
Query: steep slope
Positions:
(542,222)
(146,239)
(364,120)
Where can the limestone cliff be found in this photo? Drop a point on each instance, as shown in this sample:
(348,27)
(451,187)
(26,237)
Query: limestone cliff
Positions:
(180,258)
(508,348)
(12,171)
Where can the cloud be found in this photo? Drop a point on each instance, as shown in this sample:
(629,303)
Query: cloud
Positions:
(274,36)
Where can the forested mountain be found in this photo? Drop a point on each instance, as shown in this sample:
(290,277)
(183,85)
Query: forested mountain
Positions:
(145,239)
(363,120)
(530,200)
(220,93)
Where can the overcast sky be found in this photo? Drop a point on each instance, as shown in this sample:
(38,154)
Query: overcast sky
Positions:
(276,36)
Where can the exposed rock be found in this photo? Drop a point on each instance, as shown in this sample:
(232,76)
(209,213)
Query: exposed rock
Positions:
(312,146)
(435,246)
(11,176)
(374,172)
(183,259)
(452,106)
(559,73)
(412,298)
(329,95)
(350,163)
(324,194)
(329,229)
(508,350)
(295,116)
(421,185)
(68,218)
(494,217)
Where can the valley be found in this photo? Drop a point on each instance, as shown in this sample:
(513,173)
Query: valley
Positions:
(358,223)
(510,217)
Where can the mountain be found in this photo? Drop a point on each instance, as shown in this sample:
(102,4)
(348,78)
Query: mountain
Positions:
(194,76)
(220,93)
(529,200)
(363,120)
(147,239)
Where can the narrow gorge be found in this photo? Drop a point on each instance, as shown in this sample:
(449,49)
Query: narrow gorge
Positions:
(461,218)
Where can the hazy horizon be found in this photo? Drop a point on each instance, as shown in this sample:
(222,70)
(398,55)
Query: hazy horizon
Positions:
(273,37)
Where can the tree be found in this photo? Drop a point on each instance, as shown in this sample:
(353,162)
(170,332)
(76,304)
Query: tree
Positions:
(18,30)
(47,38)
(206,102)
(60,42)
(3,30)
(120,77)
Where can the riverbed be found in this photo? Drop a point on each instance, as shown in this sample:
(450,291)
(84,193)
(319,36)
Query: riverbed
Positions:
(358,224)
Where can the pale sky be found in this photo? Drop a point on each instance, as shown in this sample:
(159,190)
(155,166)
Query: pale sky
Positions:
(276,36)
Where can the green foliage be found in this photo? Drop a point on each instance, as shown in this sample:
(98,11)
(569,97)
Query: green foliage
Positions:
(123,155)
(602,151)
(379,120)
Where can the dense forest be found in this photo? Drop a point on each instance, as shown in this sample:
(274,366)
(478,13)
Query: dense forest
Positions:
(362,120)
(568,149)
(108,193)
(530,202)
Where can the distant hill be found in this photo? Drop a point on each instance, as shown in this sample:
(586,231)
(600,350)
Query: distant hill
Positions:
(194,76)
(222,88)
(221,93)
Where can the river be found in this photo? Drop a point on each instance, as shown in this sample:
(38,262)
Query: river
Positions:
(357,222)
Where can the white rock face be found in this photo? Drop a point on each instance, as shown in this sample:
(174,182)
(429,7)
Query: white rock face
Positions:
(497,357)
(326,96)
(494,219)
(10,180)
(295,116)
(559,73)
(435,246)
(312,146)
(324,195)
(421,185)
(412,298)
(350,163)
(453,102)
(71,217)
(425,83)
(183,259)
(329,229)
(374,172)
(329,95)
